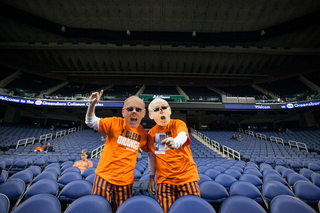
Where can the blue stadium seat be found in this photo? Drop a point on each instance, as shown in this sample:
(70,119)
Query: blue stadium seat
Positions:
(203,177)
(289,204)
(307,191)
(213,192)
(90,178)
(271,189)
(255,180)
(89,203)
(49,204)
(71,169)
(88,172)
(45,186)
(240,204)
(225,179)
(36,170)
(68,178)
(46,175)
(140,204)
(13,189)
(4,176)
(75,190)
(247,189)
(190,204)
(26,176)
(4,203)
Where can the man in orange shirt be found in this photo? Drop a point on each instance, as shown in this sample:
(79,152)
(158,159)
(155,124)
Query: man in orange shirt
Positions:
(115,171)
(40,148)
(170,155)
(84,163)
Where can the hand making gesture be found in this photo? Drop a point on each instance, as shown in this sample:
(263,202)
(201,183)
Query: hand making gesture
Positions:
(95,97)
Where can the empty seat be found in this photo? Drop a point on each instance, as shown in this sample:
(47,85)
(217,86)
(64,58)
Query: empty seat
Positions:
(89,203)
(289,204)
(140,204)
(49,204)
(240,204)
(190,204)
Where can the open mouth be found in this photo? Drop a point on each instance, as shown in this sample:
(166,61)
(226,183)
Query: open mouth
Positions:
(163,117)
(134,119)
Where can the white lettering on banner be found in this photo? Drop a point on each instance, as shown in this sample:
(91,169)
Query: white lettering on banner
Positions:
(161,96)
(261,107)
(128,142)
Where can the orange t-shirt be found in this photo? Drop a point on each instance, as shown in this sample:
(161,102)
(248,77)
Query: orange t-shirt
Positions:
(119,155)
(40,148)
(176,166)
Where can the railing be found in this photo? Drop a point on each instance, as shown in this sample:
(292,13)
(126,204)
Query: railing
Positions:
(277,140)
(241,130)
(230,152)
(61,133)
(72,130)
(96,152)
(248,132)
(45,137)
(215,145)
(207,141)
(25,141)
(79,128)
(261,136)
(298,144)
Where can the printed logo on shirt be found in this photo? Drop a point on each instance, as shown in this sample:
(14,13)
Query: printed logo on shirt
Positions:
(130,141)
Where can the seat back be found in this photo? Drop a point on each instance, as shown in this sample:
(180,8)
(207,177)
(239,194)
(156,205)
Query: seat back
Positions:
(271,189)
(25,175)
(286,203)
(49,204)
(190,204)
(3,176)
(213,191)
(75,190)
(13,188)
(68,178)
(88,172)
(71,169)
(46,175)
(140,204)
(89,203)
(45,186)
(36,170)
(307,191)
(240,204)
(4,203)
(90,178)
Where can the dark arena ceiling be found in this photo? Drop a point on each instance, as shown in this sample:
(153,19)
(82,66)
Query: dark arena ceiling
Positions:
(217,41)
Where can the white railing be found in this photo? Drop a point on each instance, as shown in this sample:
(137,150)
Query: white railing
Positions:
(298,145)
(277,140)
(25,141)
(215,145)
(61,133)
(96,152)
(72,130)
(248,132)
(45,137)
(79,128)
(230,152)
(207,141)
(261,136)
(241,130)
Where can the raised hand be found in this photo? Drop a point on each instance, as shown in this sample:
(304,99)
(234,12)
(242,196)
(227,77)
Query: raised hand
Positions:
(95,96)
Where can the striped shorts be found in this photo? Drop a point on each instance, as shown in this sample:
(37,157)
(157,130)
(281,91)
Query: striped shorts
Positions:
(103,188)
(168,193)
